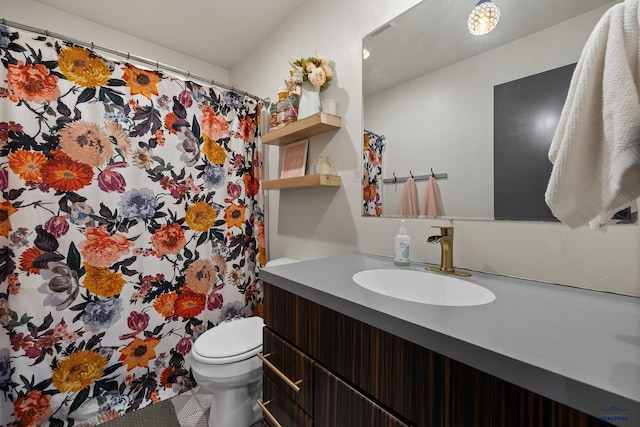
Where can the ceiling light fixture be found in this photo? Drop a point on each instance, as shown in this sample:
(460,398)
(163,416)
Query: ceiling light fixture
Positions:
(483,18)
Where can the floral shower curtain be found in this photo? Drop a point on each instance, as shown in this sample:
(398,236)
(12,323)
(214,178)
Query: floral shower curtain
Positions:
(372,174)
(130,223)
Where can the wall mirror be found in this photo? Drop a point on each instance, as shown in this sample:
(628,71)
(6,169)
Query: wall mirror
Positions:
(437,100)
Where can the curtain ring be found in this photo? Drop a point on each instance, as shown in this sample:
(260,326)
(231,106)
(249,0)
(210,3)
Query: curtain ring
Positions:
(188,73)
(433,174)
(128,55)
(395,180)
(410,173)
(157,67)
(92,47)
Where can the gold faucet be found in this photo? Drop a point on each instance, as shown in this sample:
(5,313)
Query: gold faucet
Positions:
(446,252)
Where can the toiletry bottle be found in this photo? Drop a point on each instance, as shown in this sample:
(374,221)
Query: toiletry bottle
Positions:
(402,243)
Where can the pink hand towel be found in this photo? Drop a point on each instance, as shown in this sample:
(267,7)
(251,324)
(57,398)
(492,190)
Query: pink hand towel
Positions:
(409,201)
(432,204)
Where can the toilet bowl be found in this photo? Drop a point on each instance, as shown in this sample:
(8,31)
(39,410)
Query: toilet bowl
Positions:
(224,362)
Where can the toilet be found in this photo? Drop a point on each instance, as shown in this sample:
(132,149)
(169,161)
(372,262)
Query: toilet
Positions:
(224,362)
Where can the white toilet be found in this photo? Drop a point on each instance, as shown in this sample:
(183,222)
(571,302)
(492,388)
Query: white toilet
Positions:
(224,362)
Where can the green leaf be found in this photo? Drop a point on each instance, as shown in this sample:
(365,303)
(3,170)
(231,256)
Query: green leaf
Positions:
(203,238)
(73,258)
(111,369)
(86,95)
(79,400)
(113,95)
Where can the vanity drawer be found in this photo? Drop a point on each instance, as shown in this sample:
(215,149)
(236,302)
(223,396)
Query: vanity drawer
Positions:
(282,408)
(340,405)
(282,359)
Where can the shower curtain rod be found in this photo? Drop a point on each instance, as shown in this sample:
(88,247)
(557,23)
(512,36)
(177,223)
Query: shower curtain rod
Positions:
(129,56)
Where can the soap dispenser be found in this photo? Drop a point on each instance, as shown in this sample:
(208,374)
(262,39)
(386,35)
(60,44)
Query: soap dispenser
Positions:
(402,242)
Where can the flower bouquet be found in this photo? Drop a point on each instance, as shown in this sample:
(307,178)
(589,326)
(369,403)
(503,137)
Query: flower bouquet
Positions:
(314,69)
(306,77)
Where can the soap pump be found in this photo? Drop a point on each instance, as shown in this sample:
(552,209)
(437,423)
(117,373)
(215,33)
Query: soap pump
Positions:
(402,242)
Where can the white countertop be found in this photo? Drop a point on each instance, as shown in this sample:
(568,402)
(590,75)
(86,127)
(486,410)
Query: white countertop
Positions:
(577,347)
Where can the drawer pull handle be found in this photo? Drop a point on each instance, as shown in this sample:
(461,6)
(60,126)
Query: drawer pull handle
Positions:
(293,385)
(265,411)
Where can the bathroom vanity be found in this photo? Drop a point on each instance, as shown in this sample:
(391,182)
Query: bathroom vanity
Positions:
(538,355)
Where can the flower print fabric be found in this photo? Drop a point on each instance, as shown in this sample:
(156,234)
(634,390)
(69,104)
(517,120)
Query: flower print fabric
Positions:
(372,150)
(131,222)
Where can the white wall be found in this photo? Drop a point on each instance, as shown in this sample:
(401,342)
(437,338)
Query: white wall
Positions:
(444,120)
(34,14)
(306,224)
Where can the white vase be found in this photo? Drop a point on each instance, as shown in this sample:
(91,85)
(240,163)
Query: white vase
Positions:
(309,100)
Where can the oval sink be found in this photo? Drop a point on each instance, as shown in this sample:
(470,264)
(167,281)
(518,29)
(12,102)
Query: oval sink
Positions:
(424,287)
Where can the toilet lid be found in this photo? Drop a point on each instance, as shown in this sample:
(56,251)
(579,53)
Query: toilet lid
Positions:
(230,338)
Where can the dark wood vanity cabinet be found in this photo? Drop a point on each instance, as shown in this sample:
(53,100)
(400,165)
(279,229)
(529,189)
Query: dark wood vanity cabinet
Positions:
(354,375)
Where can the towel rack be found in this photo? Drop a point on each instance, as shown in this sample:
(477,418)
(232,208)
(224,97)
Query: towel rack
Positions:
(397,179)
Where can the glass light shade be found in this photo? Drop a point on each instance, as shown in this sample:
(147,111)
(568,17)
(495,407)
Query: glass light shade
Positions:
(483,18)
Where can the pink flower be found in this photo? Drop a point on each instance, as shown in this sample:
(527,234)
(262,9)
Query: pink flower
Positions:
(234,191)
(47,341)
(184,346)
(102,249)
(185,98)
(215,300)
(57,225)
(4,179)
(32,352)
(20,341)
(317,77)
(214,126)
(328,71)
(110,180)
(138,321)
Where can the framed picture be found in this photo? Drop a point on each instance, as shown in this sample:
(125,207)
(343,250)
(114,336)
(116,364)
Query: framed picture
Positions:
(295,159)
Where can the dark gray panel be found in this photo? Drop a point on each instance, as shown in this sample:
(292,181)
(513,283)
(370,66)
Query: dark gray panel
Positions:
(526,114)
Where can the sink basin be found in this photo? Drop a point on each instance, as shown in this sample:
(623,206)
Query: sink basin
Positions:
(424,287)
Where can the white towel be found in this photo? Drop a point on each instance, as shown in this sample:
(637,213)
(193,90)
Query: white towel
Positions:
(596,147)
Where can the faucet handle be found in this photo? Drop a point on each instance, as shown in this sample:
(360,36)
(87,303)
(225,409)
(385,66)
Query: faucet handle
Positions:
(444,231)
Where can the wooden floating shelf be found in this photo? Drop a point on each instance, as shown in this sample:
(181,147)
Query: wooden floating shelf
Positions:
(303,181)
(303,128)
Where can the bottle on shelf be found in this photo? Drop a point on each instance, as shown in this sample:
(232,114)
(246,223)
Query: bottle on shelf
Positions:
(322,166)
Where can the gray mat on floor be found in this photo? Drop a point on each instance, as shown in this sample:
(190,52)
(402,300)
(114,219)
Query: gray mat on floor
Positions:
(161,414)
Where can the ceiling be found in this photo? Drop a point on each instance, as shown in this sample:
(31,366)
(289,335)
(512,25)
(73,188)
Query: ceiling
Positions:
(436,35)
(432,34)
(220,32)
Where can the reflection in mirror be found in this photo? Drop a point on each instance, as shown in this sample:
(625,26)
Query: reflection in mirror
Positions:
(437,98)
